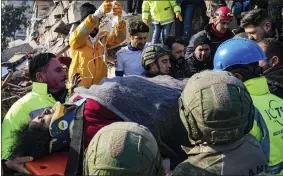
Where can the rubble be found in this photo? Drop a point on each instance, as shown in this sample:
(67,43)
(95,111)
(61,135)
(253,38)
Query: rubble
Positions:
(18,86)
(49,32)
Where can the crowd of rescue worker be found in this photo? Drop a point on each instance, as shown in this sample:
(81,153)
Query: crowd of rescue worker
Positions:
(231,107)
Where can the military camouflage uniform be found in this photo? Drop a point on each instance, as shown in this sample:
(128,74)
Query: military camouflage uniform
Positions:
(123,149)
(218,113)
(224,159)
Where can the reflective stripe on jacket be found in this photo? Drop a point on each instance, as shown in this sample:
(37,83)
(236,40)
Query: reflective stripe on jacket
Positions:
(87,58)
(268,128)
(21,112)
(162,12)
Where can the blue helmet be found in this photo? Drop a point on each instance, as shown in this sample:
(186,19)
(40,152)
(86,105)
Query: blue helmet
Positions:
(237,51)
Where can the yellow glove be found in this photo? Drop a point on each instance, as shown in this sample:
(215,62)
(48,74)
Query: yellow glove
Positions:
(145,21)
(179,16)
(105,7)
(117,10)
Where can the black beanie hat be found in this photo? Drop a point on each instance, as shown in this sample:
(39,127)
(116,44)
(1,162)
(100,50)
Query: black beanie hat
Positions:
(86,9)
(201,40)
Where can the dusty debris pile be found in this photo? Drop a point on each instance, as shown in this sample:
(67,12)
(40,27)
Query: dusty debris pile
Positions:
(18,85)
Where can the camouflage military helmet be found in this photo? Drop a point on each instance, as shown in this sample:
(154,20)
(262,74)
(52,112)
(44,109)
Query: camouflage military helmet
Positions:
(215,107)
(123,149)
(151,53)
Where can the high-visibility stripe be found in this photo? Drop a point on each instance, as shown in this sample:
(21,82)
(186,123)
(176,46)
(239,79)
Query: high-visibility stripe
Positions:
(164,21)
(84,29)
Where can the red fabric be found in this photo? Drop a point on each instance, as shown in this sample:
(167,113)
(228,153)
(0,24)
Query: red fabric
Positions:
(224,13)
(217,34)
(96,117)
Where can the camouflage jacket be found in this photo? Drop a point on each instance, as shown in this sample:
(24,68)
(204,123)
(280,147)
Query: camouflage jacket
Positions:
(243,157)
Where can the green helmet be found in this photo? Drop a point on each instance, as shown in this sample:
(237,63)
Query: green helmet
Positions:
(123,149)
(215,107)
(151,53)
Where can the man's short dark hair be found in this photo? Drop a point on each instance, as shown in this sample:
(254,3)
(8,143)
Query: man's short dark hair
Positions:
(171,40)
(86,9)
(39,63)
(32,140)
(138,26)
(254,17)
(273,48)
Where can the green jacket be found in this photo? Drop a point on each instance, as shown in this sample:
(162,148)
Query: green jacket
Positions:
(268,128)
(24,110)
(162,12)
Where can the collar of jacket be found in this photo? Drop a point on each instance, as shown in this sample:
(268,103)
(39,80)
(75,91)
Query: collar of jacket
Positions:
(210,148)
(40,88)
(257,86)
(274,74)
(148,75)
(130,47)
(174,62)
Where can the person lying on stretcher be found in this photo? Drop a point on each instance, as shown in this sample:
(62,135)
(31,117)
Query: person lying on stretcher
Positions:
(109,102)
(52,130)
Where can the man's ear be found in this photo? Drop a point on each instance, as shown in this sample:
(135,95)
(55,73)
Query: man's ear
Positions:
(39,77)
(152,66)
(239,76)
(267,26)
(274,60)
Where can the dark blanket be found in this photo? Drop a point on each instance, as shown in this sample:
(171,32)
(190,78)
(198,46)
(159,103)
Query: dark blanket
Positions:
(152,102)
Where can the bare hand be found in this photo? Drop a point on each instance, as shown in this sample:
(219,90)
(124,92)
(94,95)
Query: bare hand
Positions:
(75,81)
(179,16)
(17,164)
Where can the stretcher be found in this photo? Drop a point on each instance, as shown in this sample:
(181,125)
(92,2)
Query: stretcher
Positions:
(53,164)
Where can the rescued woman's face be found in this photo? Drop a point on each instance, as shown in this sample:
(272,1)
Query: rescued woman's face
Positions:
(45,117)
